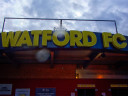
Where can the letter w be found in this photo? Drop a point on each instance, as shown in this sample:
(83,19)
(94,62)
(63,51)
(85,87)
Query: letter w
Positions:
(10,38)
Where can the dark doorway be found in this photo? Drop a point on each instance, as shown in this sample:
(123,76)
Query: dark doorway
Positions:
(86,92)
(120,92)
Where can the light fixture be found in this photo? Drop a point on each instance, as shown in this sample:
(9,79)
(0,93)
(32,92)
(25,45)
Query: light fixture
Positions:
(42,55)
(77,75)
(60,31)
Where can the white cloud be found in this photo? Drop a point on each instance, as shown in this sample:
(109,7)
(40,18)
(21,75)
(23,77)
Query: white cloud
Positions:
(14,8)
(79,9)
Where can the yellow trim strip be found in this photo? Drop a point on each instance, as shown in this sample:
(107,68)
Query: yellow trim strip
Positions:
(119,85)
(86,85)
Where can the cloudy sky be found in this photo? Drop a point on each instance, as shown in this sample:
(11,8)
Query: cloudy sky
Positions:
(65,9)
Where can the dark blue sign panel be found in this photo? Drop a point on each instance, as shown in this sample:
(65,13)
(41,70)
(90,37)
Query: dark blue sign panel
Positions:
(48,39)
(45,92)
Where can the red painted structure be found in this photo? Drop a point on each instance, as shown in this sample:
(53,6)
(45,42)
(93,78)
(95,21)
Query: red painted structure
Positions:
(64,87)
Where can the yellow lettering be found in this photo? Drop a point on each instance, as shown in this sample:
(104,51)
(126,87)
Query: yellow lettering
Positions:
(24,39)
(10,38)
(121,38)
(86,35)
(46,37)
(36,34)
(75,37)
(107,38)
(60,43)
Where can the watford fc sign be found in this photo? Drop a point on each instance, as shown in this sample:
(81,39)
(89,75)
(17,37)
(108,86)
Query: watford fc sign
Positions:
(67,39)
